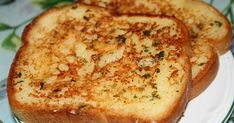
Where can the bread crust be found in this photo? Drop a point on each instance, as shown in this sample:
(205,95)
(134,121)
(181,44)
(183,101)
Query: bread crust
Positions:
(206,76)
(35,114)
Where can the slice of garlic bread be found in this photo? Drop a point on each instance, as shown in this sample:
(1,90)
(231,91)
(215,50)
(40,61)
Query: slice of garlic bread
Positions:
(81,64)
(206,25)
(203,20)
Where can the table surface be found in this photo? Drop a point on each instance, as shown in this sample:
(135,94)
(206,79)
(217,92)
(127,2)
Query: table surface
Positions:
(14,15)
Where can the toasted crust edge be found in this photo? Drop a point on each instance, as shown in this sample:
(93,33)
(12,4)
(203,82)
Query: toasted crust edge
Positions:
(206,76)
(29,114)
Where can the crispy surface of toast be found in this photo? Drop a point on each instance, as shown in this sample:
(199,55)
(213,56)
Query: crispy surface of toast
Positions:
(79,63)
(207,28)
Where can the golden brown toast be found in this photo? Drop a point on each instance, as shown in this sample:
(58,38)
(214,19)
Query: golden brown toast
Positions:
(81,64)
(203,20)
(207,28)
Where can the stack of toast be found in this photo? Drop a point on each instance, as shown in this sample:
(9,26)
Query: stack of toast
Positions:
(115,61)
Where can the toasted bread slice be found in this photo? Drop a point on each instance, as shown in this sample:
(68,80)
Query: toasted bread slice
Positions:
(202,23)
(203,20)
(80,64)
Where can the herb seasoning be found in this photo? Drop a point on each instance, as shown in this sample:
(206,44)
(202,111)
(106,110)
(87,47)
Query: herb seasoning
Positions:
(146,33)
(157,70)
(41,85)
(114,85)
(201,64)
(19,74)
(147,75)
(74,7)
(116,95)
(86,18)
(200,26)
(146,50)
(155,44)
(160,55)
(82,107)
(218,23)
(121,38)
(135,96)
(95,57)
(154,85)
(18,82)
(85,61)
(56,90)
(193,34)
(155,95)
(73,80)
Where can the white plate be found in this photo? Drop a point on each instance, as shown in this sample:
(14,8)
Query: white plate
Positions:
(214,103)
